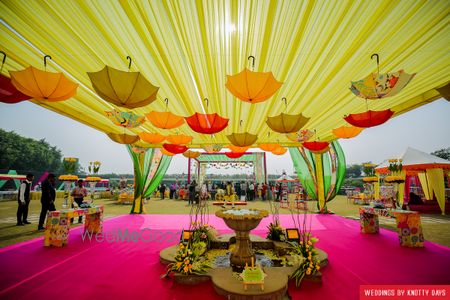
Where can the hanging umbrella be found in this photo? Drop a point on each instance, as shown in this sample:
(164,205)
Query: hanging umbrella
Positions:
(165,152)
(126,119)
(242,139)
(164,120)
(214,148)
(279,151)
(123,138)
(237,149)
(125,89)
(8,92)
(176,149)
(269,147)
(377,86)
(179,139)
(300,136)
(207,123)
(285,123)
(152,138)
(43,85)
(317,147)
(347,132)
(191,154)
(234,154)
(369,118)
(252,86)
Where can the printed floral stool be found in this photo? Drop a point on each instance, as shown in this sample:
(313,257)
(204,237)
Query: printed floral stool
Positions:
(409,228)
(58,224)
(368,220)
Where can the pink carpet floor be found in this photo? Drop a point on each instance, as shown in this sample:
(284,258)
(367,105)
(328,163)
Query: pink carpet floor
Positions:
(131,270)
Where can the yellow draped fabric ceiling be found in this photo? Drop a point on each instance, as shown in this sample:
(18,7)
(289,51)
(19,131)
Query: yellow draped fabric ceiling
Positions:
(187,48)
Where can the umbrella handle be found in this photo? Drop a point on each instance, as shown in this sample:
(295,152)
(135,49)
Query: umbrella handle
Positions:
(285,102)
(130,61)
(167,102)
(207,101)
(378,60)
(240,123)
(45,60)
(253,61)
(3,60)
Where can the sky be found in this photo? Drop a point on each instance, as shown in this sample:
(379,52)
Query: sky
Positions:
(425,128)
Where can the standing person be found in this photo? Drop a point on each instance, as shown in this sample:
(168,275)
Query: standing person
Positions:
(259,190)
(162,190)
(47,198)
(264,191)
(172,190)
(78,194)
(192,192)
(237,189)
(251,188)
(242,194)
(24,200)
(279,191)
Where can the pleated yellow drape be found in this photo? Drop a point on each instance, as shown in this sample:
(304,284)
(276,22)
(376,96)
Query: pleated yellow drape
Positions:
(376,187)
(320,183)
(436,182)
(424,183)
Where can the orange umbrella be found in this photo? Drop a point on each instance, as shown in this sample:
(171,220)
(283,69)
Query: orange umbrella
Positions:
(165,152)
(237,149)
(252,86)
(123,138)
(369,118)
(279,151)
(152,138)
(126,89)
(269,147)
(176,149)
(317,147)
(191,154)
(43,85)
(242,139)
(347,132)
(164,120)
(179,139)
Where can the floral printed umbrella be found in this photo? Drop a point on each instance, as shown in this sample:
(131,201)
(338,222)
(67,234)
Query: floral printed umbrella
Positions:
(300,136)
(8,92)
(125,119)
(125,89)
(369,118)
(381,85)
(347,132)
(252,86)
(43,85)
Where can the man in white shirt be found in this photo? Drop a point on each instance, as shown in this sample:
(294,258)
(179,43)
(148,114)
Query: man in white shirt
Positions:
(24,200)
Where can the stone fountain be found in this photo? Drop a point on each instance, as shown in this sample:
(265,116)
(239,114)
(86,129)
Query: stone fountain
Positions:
(242,221)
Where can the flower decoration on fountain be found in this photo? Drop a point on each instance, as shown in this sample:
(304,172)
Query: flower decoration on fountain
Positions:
(306,254)
(276,232)
(189,260)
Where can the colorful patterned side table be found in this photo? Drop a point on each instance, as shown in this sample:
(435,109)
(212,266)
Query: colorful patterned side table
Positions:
(58,224)
(409,228)
(368,220)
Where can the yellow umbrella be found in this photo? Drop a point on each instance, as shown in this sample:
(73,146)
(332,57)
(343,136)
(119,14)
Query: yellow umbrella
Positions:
(126,89)
(242,139)
(214,148)
(251,86)
(179,139)
(43,85)
(347,132)
(285,123)
(191,154)
(152,138)
(237,149)
(123,138)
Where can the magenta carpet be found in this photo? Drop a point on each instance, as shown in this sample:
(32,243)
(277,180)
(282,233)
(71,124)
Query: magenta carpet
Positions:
(121,269)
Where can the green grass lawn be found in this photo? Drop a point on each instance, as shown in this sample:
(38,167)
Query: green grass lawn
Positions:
(436,227)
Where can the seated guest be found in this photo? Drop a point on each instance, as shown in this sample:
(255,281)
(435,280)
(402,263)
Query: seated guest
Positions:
(414,199)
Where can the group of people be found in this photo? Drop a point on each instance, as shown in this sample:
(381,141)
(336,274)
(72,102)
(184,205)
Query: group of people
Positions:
(48,197)
(244,191)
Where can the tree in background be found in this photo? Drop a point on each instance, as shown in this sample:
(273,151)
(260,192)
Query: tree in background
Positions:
(442,153)
(20,153)
(353,171)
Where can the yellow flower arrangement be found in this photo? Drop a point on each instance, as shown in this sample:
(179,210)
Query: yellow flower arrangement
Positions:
(370,179)
(396,179)
(68,177)
(70,159)
(93,179)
